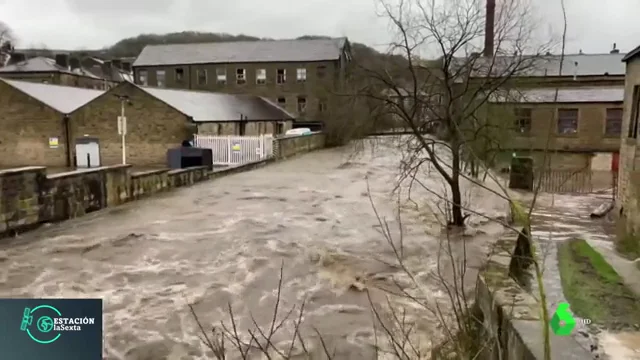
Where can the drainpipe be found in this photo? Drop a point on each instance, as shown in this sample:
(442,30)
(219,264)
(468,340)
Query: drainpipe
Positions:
(67,140)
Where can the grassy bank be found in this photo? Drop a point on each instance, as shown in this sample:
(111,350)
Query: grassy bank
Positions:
(593,288)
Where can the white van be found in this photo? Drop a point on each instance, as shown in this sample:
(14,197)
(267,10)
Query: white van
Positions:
(299,131)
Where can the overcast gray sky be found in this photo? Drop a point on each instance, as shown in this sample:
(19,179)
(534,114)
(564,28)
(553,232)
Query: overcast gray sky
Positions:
(71,24)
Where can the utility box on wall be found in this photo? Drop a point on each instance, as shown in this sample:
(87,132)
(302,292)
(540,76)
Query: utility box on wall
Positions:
(521,174)
(184,157)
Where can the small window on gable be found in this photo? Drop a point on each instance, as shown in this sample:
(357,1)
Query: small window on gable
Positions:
(202,76)
(567,121)
(261,76)
(221,76)
(301,75)
(241,76)
(281,76)
(179,74)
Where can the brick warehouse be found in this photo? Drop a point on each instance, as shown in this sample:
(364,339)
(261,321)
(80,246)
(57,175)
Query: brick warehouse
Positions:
(157,119)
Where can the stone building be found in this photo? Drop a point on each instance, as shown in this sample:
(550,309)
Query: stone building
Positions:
(160,119)
(34,118)
(580,128)
(298,75)
(628,196)
(582,125)
(43,124)
(68,70)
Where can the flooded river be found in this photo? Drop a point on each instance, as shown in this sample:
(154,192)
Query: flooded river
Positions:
(223,242)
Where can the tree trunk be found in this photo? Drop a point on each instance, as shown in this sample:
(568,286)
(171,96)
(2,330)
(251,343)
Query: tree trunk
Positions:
(457,218)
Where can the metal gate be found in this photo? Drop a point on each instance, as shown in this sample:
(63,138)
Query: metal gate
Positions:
(236,150)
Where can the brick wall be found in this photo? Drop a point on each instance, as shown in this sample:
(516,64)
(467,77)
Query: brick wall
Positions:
(26,127)
(152,127)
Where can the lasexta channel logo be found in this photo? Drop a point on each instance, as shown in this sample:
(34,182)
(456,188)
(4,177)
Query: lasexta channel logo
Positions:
(45,324)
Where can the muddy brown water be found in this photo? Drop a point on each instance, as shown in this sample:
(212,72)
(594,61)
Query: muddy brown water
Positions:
(223,242)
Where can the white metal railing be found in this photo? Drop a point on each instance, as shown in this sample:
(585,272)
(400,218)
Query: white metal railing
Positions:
(236,150)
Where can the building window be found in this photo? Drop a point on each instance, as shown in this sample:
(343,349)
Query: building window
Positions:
(281,76)
(202,76)
(322,105)
(301,74)
(161,78)
(321,71)
(302,104)
(143,78)
(282,102)
(221,76)
(567,121)
(522,122)
(261,76)
(633,121)
(613,125)
(179,74)
(241,77)
(279,128)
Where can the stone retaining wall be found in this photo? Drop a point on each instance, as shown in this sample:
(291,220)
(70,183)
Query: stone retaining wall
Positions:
(512,315)
(29,197)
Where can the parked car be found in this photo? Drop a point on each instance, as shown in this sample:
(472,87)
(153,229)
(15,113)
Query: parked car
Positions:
(299,131)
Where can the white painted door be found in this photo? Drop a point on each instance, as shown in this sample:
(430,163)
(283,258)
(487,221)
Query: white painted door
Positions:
(88,155)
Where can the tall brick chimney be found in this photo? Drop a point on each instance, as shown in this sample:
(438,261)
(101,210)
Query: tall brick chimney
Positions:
(489,31)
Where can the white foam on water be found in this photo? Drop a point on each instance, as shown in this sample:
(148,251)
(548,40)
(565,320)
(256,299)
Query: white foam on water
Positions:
(222,243)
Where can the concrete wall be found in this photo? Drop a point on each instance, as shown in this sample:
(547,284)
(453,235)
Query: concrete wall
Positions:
(29,197)
(287,146)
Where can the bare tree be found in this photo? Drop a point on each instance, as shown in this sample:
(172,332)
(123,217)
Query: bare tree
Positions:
(7,37)
(447,97)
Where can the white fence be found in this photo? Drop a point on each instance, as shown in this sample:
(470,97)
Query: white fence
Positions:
(236,150)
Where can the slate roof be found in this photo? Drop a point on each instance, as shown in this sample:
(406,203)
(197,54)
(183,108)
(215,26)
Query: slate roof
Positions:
(204,106)
(573,64)
(573,95)
(43,64)
(241,51)
(64,99)
(631,54)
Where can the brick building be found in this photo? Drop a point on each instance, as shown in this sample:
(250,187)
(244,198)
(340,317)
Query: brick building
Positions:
(298,75)
(43,124)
